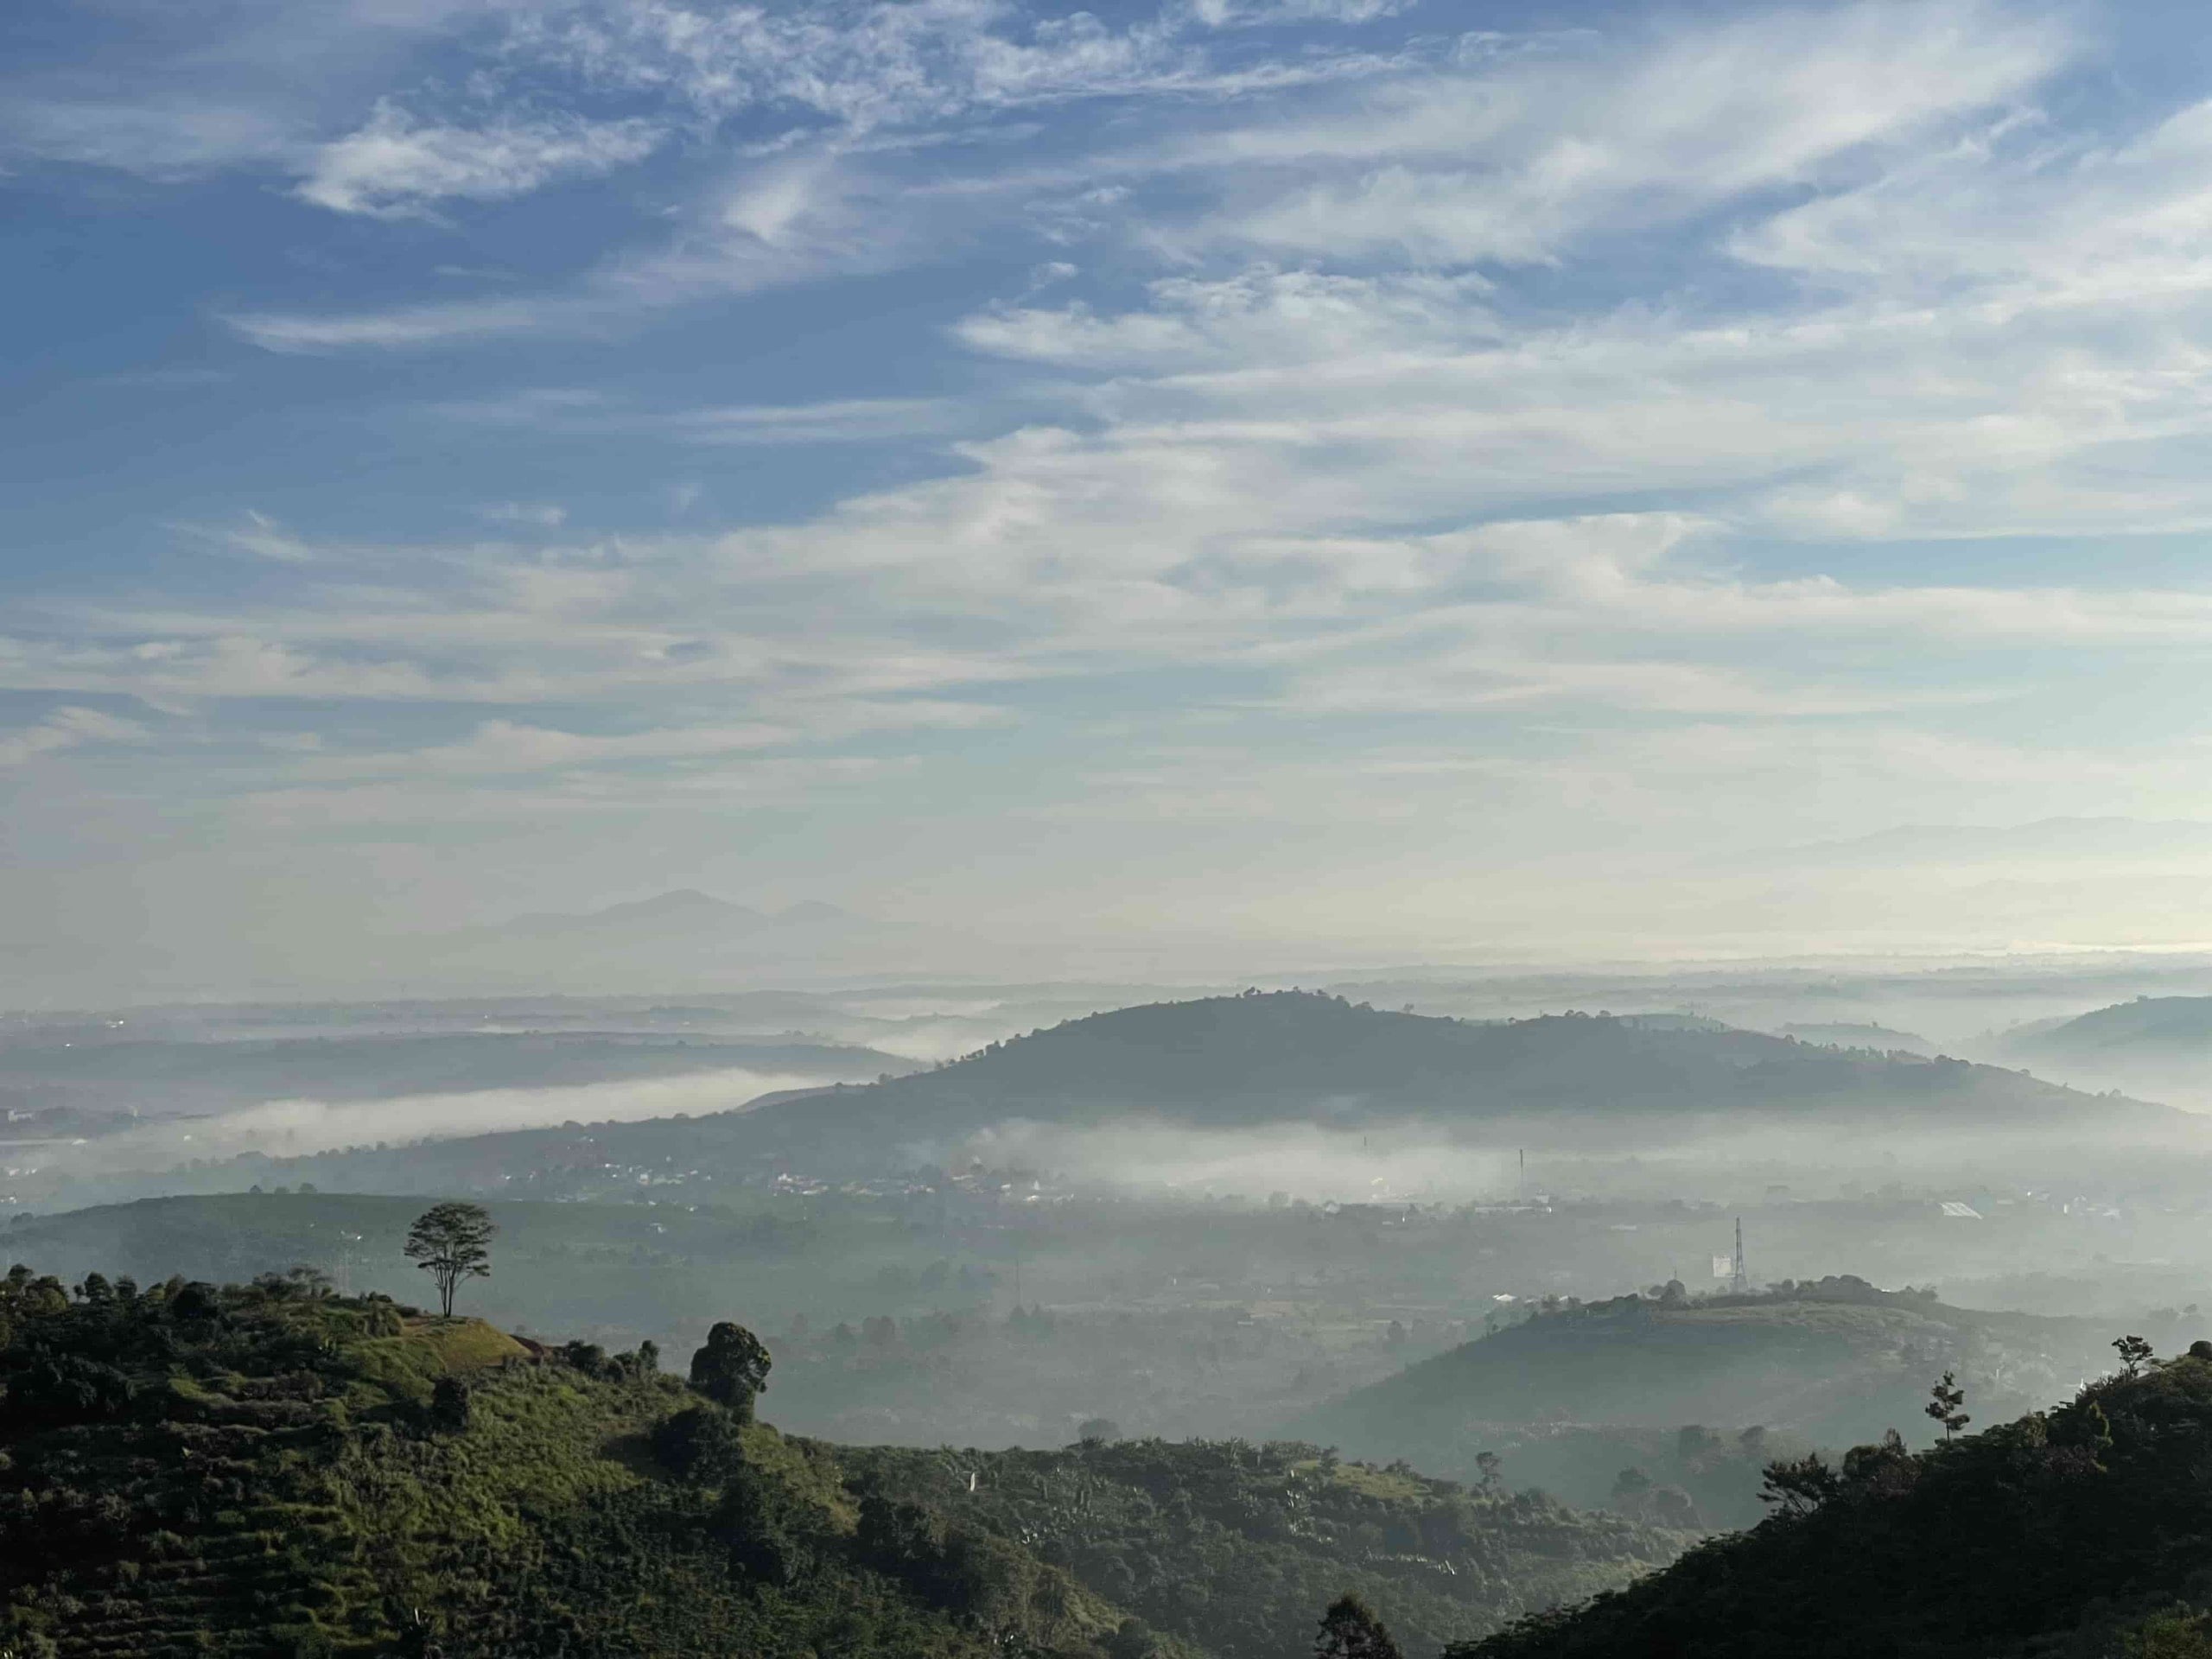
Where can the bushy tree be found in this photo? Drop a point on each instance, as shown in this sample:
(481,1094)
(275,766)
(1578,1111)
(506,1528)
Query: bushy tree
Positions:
(753,1520)
(451,1242)
(731,1369)
(450,1405)
(1350,1629)
(699,1443)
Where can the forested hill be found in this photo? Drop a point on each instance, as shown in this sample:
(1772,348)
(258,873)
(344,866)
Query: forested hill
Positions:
(1231,1545)
(2080,1533)
(2149,1027)
(1227,1061)
(1834,1362)
(273,1470)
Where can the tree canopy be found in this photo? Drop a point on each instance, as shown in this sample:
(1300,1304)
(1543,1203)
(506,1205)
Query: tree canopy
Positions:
(1350,1629)
(452,1242)
(731,1369)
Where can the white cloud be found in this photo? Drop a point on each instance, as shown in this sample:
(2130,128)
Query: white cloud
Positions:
(67,728)
(411,326)
(772,224)
(859,65)
(502,747)
(1510,159)
(1583,545)
(162,139)
(395,167)
(1260,14)
(537,515)
(851,420)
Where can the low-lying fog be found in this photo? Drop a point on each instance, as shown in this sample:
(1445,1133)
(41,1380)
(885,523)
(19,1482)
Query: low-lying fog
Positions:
(290,1128)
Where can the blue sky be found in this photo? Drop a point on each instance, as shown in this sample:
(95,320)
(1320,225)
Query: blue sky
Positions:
(1435,480)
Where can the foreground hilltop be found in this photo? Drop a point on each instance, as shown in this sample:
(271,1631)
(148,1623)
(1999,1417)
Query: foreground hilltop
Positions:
(2080,1533)
(274,1470)
(1258,1059)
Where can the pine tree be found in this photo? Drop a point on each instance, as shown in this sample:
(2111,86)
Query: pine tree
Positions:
(1944,1401)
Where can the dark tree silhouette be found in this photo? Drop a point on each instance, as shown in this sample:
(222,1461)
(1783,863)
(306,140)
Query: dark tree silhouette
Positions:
(1943,1404)
(1350,1629)
(1800,1485)
(2134,1355)
(451,1242)
(451,1406)
(731,1369)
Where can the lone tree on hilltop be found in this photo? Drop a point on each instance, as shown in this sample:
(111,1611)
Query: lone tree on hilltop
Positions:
(731,1369)
(1350,1629)
(451,1242)
(1944,1401)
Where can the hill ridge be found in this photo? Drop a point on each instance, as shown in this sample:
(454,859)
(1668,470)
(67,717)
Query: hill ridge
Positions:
(1267,1057)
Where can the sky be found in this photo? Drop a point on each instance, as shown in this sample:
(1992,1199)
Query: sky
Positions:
(1373,480)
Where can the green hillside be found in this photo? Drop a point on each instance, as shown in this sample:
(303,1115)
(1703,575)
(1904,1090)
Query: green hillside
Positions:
(272,1469)
(1832,1363)
(1233,1546)
(2080,1533)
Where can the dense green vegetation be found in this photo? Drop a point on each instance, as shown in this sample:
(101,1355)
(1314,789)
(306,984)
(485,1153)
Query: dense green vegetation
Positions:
(1236,1547)
(274,1470)
(2082,1532)
(1833,1363)
(893,1314)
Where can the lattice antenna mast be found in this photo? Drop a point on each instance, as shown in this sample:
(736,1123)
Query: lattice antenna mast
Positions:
(1739,1280)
